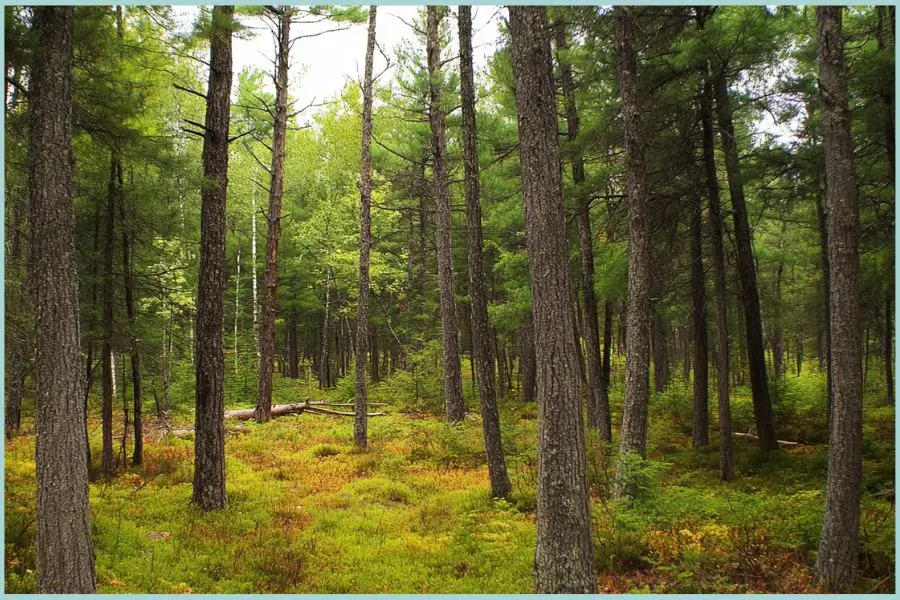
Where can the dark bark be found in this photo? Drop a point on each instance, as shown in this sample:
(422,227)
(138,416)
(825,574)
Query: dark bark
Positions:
(701,348)
(209,439)
(598,417)
(360,424)
(453,397)
(749,291)
(482,348)
(564,557)
(637,314)
(276,192)
(716,227)
(65,556)
(838,548)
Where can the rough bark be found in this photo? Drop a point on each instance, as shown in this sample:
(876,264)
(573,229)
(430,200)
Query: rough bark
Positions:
(838,547)
(482,348)
(453,396)
(564,557)
(276,193)
(360,424)
(209,442)
(598,417)
(65,556)
(637,312)
(749,291)
(726,452)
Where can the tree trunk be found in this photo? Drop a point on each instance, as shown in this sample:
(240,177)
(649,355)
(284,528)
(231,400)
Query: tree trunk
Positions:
(209,440)
(716,226)
(637,330)
(453,397)
(108,464)
(701,348)
(276,192)
(482,349)
(135,357)
(749,291)
(65,556)
(838,548)
(598,417)
(608,309)
(564,557)
(360,424)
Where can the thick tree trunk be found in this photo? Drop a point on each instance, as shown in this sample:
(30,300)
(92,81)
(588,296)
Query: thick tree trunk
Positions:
(482,349)
(762,405)
(838,548)
(716,227)
(65,556)
(276,192)
(701,348)
(598,417)
(360,424)
(637,316)
(209,441)
(453,397)
(564,557)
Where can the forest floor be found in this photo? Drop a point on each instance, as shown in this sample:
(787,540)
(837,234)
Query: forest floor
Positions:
(309,514)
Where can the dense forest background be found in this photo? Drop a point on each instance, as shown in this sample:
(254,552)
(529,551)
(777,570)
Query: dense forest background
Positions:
(728,101)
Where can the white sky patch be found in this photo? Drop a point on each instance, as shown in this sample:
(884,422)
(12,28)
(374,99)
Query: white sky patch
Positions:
(321,66)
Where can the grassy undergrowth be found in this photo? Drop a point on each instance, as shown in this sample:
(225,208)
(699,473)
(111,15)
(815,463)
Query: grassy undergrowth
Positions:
(309,514)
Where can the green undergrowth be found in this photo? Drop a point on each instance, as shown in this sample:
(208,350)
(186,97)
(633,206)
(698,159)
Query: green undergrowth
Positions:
(310,514)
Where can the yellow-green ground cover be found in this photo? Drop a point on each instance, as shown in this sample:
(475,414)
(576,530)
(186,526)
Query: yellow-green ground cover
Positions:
(309,514)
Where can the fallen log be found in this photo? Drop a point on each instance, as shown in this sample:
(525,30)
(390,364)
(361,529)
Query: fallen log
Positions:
(279,410)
